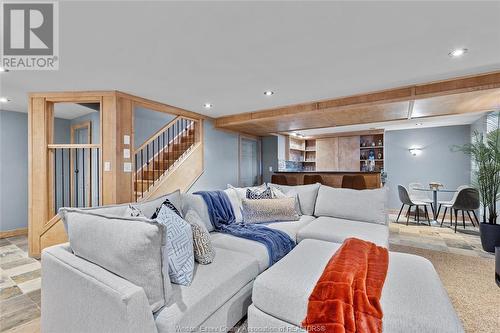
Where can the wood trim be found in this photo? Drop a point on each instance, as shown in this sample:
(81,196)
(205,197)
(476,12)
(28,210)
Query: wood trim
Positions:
(76,145)
(161,130)
(361,104)
(50,224)
(13,232)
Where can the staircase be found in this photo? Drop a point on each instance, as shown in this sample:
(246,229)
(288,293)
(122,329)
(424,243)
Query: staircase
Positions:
(162,153)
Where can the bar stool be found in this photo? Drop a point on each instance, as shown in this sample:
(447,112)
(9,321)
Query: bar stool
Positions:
(355,182)
(312,179)
(405,199)
(279,180)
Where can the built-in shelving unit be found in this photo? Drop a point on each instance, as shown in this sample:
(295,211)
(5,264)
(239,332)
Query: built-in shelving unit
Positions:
(371,148)
(303,151)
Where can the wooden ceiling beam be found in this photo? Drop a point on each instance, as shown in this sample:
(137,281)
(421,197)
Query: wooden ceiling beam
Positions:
(386,105)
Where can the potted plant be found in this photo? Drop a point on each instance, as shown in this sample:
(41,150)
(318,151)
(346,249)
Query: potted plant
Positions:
(485,153)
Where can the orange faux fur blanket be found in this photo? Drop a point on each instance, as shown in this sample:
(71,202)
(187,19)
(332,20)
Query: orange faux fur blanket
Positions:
(347,295)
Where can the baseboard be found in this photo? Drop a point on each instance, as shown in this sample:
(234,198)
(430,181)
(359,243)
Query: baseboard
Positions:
(14,232)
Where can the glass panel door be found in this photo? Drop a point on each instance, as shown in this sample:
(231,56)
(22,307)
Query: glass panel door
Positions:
(250,166)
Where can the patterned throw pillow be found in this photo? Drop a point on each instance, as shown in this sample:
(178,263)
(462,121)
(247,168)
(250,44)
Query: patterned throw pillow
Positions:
(170,205)
(269,210)
(204,252)
(179,246)
(133,212)
(259,194)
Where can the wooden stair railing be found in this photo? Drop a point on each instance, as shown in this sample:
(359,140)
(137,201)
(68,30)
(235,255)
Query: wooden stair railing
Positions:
(161,152)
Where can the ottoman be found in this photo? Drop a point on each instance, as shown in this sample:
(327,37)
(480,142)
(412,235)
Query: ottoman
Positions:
(413,298)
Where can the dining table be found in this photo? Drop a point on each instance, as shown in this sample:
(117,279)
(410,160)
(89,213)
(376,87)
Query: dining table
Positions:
(435,191)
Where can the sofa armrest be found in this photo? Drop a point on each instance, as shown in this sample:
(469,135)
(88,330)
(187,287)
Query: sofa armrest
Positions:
(79,296)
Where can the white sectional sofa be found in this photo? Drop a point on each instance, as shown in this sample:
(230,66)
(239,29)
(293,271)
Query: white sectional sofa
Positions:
(79,296)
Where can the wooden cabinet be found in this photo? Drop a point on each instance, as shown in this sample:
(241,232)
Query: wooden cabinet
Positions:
(327,150)
(348,153)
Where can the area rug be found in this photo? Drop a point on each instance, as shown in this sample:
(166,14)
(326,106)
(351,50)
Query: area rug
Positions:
(470,283)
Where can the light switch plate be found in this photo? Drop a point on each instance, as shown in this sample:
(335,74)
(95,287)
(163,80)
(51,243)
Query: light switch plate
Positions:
(270,169)
(126,153)
(127,167)
(107,166)
(126,139)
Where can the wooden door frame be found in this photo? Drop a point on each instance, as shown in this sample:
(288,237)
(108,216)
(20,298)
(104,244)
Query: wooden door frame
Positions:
(259,155)
(88,125)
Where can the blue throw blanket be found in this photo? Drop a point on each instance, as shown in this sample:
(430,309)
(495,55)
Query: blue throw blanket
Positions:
(221,214)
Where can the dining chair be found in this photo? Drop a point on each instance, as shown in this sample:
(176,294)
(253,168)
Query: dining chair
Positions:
(467,200)
(405,199)
(312,179)
(449,204)
(355,182)
(418,195)
(279,180)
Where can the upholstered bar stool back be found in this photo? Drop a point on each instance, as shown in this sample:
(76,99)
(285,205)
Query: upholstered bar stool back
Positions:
(312,179)
(279,179)
(355,182)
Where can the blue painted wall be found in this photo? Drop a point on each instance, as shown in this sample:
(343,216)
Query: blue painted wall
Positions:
(14,166)
(221,160)
(435,163)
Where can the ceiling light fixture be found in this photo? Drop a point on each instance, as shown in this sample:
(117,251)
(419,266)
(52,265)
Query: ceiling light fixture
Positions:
(4,100)
(268,92)
(3,69)
(208,105)
(458,53)
(415,151)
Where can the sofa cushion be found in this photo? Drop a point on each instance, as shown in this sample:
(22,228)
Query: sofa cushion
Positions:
(196,203)
(305,193)
(256,250)
(336,230)
(283,290)
(133,248)
(269,210)
(148,208)
(364,205)
(213,285)
(412,291)
(292,227)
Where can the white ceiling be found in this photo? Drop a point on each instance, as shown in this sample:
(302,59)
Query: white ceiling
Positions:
(229,53)
(453,120)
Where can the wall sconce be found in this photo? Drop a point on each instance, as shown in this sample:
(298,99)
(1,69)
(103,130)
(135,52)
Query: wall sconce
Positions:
(415,151)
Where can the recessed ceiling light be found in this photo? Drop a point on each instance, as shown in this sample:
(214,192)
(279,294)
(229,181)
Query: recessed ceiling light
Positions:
(3,69)
(4,100)
(457,53)
(268,92)
(419,124)
(208,105)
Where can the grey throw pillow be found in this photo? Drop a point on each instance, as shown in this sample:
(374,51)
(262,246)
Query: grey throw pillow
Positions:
(204,252)
(133,248)
(306,194)
(269,210)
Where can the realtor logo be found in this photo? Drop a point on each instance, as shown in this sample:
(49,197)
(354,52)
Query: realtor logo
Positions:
(30,35)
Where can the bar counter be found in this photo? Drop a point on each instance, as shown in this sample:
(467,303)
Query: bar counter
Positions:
(332,178)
